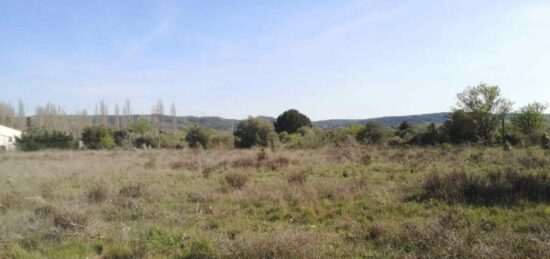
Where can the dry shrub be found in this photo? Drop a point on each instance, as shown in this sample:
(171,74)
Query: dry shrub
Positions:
(243,163)
(237,179)
(278,163)
(488,189)
(299,177)
(187,165)
(533,161)
(376,232)
(477,157)
(10,200)
(262,155)
(200,197)
(279,244)
(98,193)
(207,171)
(133,190)
(341,155)
(46,211)
(151,162)
(429,241)
(366,159)
(70,221)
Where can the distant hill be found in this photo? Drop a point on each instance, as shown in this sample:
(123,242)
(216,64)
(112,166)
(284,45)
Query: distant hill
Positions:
(220,123)
(389,121)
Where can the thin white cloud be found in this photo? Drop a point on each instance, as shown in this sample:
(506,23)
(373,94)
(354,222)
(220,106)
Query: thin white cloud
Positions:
(166,19)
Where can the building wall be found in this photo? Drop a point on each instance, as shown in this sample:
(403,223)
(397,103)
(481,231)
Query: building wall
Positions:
(7,134)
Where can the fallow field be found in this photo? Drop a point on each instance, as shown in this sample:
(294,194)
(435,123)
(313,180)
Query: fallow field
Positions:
(353,202)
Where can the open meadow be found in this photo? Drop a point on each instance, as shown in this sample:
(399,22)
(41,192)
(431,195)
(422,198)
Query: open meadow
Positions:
(379,201)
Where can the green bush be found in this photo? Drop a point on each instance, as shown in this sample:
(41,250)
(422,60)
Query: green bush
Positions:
(254,132)
(98,137)
(145,140)
(198,137)
(38,139)
(372,133)
(545,141)
(309,138)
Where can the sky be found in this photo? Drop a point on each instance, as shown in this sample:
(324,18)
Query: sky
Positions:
(328,59)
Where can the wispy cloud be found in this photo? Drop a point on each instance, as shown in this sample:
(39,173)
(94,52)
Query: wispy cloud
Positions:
(166,19)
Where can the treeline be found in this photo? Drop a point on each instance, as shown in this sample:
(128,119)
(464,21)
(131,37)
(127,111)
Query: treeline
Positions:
(481,116)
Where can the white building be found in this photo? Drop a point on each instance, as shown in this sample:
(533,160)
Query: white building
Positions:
(7,138)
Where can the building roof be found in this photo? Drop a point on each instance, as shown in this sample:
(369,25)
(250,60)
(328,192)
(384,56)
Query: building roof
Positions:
(9,131)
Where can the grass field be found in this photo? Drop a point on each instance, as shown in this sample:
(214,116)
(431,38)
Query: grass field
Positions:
(349,202)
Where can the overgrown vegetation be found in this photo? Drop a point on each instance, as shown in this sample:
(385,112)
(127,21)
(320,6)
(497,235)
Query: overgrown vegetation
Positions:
(351,201)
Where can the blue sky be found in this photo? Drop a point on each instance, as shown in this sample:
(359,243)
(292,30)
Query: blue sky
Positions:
(329,59)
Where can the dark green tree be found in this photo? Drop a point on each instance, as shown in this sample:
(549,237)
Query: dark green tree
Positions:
(461,128)
(405,129)
(254,132)
(290,121)
(197,137)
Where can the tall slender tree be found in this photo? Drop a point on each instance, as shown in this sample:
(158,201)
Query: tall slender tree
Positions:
(21,117)
(174,115)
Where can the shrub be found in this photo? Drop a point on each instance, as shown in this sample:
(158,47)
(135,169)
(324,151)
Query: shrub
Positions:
(98,137)
(236,179)
(299,177)
(429,136)
(221,140)
(487,189)
(98,193)
(70,221)
(290,121)
(132,190)
(308,138)
(262,155)
(38,139)
(120,137)
(254,132)
(146,140)
(372,133)
(45,211)
(461,128)
(545,141)
(198,137)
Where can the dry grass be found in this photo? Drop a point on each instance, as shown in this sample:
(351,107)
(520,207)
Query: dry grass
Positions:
(321,203)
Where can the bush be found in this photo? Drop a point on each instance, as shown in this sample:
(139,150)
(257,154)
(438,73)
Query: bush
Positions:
(254,132)
(98,193)
(262,155)
(545,141)
(297,177)
(98,137)
(237,179)
(71,221)
(430,136)
(372,133)
(198,137)
(461,128)
(487,189)
(38,139)
(308,138)
(291,121)
(145,140)
(121,137)
(221,140)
